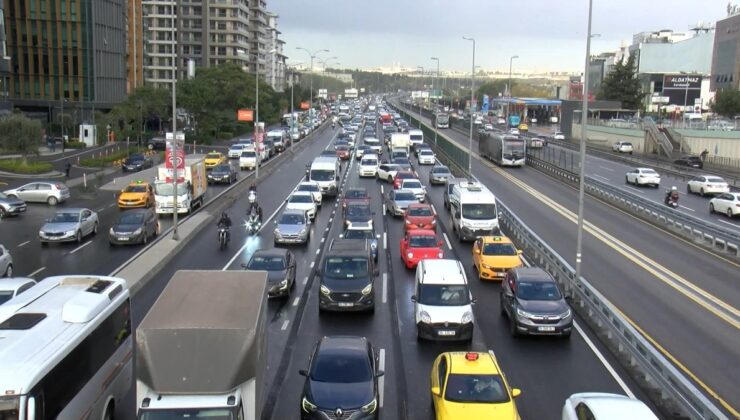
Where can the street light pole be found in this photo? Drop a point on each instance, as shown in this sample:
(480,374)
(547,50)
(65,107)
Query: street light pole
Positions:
(584,130)
(312,55)
(173,156)
(472,99)
(508,88)
(420,97)
(437,101)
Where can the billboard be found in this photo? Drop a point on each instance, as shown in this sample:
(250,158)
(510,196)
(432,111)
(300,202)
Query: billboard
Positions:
(682,89)
(350,93)
(245,115)
(305,105)
(323,94)
(174,156)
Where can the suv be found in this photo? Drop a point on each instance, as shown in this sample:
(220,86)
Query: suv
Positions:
(622,147)
(443,305)
(347,277)
(690,161)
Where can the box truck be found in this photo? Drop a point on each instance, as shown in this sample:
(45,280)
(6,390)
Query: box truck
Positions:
(190,192)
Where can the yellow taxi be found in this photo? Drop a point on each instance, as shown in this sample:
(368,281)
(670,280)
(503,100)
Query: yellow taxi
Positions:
(214,159)
(523,127)
(471,385)
(136,195)
(493,256)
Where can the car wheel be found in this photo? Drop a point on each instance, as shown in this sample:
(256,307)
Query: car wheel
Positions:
(701,192)
(688,189)
(108,413)
(512,327)
(566,335)
(52,201)
(12,196)
(78,237)
(8,271)
(2,212)
(95,229)
(711,208)
(501,304)
(729,213)
(390,179)
(626,180)
(145,239)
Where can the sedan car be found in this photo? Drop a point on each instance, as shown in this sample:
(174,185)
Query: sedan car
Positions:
(397,201)
(292,227)
(134,227)
(280,265)
(314,188)
(11,206)
(136,194)
(214,159)
(494,256)
(643,176)
(341,380)
(707,184)
(248,159)
(420,244)
(365,231)
(558,136)
(439,174)
(222,174)
(603,406)
(728,203)
(415,186)
(426,157)
(6,262)
(471,385)
(690,161)
(136,162)
(14,286)
(387,171)
(235,150)
(421,146)
(532,301)
(69,225)
(302,200)
(40,192)
(420,216)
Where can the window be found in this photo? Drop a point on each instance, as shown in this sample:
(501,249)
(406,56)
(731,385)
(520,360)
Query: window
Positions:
(442,371)
(584,413)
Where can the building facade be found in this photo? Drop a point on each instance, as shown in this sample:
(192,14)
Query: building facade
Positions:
(275,69)
(726,52)
(4,63)
(71,51)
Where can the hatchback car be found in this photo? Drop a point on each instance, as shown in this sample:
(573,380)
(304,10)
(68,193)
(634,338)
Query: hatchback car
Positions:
(40,192)
(387,172)
(69,225)
(292,227)
(314,188)
(532,301)
(397,201)
(136,162)
(707,184)
(415,186)
(11,206)
(14,286)
(341,380)
(623,147)
(368,165)
(343,152)
(426,157)
(6,262)
(494,256)
(214,159)
(134,227)
(420,244)
(280,265)
(420,216)
(302,200)
(727,203)
(439,174)
(603,406)
(643,176)
(222,174)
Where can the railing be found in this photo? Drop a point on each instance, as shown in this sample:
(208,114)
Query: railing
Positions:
(677,137)
(658,137)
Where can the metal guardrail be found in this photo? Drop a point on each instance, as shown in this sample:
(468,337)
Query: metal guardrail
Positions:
(674,390)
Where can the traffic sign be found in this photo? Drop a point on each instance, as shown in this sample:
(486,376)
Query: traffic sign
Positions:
(245,115)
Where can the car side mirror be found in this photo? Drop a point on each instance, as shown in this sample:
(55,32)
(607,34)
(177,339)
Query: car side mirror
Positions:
(516,392)
(519,252)
(244,266)
(413,298)
(568,297)
(303,372)
(436,391)
(457,215)
(474,301)
(379,373)
(476,250)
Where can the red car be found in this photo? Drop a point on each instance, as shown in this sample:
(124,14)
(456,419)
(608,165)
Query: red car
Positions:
(420,244)
(400,176)
(355,195)
(420,216)
(343,152)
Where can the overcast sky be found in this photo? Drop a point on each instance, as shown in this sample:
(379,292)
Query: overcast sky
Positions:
(546,34)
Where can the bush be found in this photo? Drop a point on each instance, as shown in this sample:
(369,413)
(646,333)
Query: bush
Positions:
(108,160)
(74,145)
(225,135)
(18,167)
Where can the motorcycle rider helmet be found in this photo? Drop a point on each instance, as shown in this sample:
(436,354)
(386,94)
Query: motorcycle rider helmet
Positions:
(673,188)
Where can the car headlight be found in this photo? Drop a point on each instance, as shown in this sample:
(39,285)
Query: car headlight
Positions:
(410,255)
(69,232)
(368,289)
(325,290)
(467,317)
(276,233)
(138,231)
(425,318)
(565,314)
(487,267)
(370,407)
(524,314)
(307,405)
(42,233)
(284,284)
(408,222)
(111,232)
(303,231)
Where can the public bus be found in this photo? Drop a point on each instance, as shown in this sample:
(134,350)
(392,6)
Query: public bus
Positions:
(502,149)
(441,120)
(66,349)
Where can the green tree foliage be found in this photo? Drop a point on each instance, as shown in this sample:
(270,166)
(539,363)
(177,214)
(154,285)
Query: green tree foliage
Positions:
(622,84)
(21,134)
(726,103)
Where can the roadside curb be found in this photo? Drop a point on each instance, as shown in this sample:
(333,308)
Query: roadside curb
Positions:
(46,175)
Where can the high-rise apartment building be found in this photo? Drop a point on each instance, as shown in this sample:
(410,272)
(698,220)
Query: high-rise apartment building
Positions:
(275,68)
(135,46)
(4,62)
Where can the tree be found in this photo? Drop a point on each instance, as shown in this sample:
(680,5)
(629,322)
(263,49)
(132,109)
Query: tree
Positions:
(622,84)
(726,103)
(20,134)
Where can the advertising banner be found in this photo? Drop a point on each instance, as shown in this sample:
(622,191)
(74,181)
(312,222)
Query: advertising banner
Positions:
(246,115)
(305,105)
(681,81)
(174,158)
(323,94)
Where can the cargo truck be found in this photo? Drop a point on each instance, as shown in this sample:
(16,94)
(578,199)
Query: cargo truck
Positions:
(196,363)
(401,140)
(190,193)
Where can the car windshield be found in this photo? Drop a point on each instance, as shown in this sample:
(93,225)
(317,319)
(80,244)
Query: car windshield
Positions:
(249,154)
(499,249)
(213,156)
(340,267)
(5,296)
(266,263)
(440,170)
(236,147)
(471,388)
(135,158)
(649,172)
(426,152)
(479,211)
(358,212)
(345,368)
(221,169)
(135,189)
(537,290)
(65,218)
(342,148)
(419,211)
(322,175)
(412,185)
(358,234)
(443,295)
(369,162)
(291,219)
(308,187)
(165,189)
(422,241)
(715,179)
(131,219)
(401,161)
(355,194)
(405,196)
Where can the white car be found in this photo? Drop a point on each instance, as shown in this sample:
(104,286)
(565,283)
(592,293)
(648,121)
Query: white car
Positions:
(558,136)
(373,144)
(643,176)
(426,157)
(6,262)
(368,165)
(314,188)
(488,127)
(14,286)
(235,151)
(248,159)
(623,147)
(387,171)
(707,184)
(603,406)
(514,131)
(415,186)
(302,200)
(501,120)
(727,203)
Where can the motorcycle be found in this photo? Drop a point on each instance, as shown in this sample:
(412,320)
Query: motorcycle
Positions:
(671,199)
(253,225)
(252,197)
(223,236)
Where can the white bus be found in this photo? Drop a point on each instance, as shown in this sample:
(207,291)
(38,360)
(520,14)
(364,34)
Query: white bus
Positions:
(66,349)
(505,150)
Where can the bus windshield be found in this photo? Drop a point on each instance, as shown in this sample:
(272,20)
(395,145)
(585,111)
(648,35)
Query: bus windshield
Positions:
(513,149)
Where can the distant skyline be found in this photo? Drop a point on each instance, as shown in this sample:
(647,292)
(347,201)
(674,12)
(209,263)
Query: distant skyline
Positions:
(547,35)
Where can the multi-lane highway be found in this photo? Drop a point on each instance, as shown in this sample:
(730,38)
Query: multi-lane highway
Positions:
(683,298)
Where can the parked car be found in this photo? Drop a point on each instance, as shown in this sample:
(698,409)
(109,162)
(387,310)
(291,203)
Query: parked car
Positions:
(623,147)
(134,227)
(69,225)
(14,286)
(6,262)
(222,174)
(292,227)
(690,161)
(643,176)
(40,192)
(727,203)
(137,162)
(707,184)
(11,206)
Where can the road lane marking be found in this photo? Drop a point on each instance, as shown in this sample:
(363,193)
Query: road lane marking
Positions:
(37,271)
(449,245)
(606,169)
(601,177)
(603,360)
(726,222)
(80,247)
(385,240)
(313,263)
(385,287)
(23,244)
(433,209)
(285,325)
(384,210)
(381,189)
(634,189)
(296,301)
(323,239)
(112,205)
(686,208)
(381,380)
(100,210)
(317,251)
(305,279)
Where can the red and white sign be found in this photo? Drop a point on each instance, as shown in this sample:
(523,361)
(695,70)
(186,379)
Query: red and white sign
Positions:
(174,159)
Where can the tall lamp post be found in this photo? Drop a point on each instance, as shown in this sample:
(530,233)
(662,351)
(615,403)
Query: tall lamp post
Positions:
(584,130)
(173,153)
(437,101)
(312,55)
(472,99)
(508,88)
(257,113)
(420,68)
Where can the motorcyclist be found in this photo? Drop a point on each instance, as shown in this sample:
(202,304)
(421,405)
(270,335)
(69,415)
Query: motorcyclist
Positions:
(225,222)
(252,197)
(255,215)
(671,195)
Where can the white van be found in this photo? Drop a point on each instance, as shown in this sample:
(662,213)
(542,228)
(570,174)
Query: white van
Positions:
(416,137)
(443,305)
(473,211)
(325,171)
(369,165)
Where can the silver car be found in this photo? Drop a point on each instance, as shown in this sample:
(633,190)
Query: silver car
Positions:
(292,227)
(6,262)
(11,206)
(69,225)
(398,201)
(41,192)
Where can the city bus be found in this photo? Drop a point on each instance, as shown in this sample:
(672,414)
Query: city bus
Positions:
(441,120)
(66,349)
(502,149)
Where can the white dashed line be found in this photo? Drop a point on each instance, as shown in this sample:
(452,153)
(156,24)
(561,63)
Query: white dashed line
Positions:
(330,219)
(381,380)
(305,279)
(100,209)
(606,169)
(449,246)
(603,360)
(635,189)
(384,210)
(385,240)
(24,244)
(112,205)
(322,240)
(385,287)
(726,222)
(686,208)
(285,325)
(601,177)
(37,271)
(296,301)
(381,189)
(317,251)
(80,247)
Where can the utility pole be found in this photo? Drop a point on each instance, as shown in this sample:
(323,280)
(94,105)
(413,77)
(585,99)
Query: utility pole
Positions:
(472,100)
(173,156)
(434,114)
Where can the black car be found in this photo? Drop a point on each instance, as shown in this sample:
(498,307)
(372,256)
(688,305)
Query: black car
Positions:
(222,174)
(347,277)
(341,380)
(157,143)
(690,161)
(357,213)
(137,162)
(280,266)
(135,226)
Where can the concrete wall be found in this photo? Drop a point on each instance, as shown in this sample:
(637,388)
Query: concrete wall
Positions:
(607,136)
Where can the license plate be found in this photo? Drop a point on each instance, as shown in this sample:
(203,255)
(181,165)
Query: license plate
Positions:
(446,332)
(123,239)
(546,329)
(346,304)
